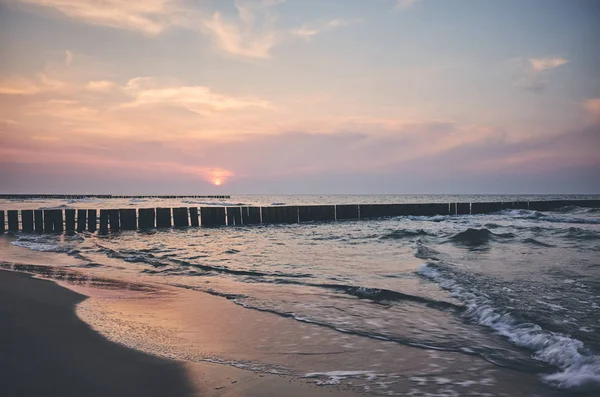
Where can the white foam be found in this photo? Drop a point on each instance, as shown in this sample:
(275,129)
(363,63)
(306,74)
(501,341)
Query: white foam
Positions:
(528,214)
(335,377)
(37,243)
(578,367)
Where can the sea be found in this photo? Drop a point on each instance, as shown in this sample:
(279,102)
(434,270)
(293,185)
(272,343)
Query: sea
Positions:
(518,289)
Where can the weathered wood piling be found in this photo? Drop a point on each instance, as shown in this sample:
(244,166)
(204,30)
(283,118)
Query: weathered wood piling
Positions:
(27,220)
(70,220)
(128,218)
(180,217)
(92,216)
(212,216)
(103,196)
(163,217)
(81,220)
(146,218)
(234,216)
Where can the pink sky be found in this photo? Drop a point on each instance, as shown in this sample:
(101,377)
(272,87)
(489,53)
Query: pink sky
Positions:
(168,96)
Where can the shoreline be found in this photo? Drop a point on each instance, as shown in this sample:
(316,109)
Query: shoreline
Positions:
(220,347)
(48,350)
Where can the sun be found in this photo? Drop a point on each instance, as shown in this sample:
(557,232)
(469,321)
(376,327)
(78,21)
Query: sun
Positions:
(216,176)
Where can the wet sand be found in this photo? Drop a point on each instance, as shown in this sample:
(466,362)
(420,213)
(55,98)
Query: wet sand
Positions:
(47,350)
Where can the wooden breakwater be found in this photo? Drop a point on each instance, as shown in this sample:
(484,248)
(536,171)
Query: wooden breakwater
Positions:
(104,220)
(98,196)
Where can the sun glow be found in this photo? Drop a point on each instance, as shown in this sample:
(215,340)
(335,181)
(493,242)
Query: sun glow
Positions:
(217,176)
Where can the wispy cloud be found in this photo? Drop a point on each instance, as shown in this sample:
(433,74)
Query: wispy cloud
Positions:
(250,34)
(542,64)
(253,33)
(150,17)
(405,4)
(68,58)
(533,73)
(197,99)
(308,30)
(19,85)
(99,85)
(592,106)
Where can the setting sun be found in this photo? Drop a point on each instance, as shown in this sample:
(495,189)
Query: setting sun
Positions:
(217,182)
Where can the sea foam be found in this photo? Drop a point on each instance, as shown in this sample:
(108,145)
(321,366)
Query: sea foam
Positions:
(579,367)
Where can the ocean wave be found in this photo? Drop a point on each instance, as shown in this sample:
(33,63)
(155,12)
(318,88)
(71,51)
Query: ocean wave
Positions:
(435,218)
(578,366)
(386,295)
(424,252)
(403,233)
(335,377)
(475,237)
(532,241)
(575,209)
(210,203)
(537,215)
(39,243)
(577,233)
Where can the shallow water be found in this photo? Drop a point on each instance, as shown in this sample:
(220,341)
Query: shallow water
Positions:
(519,289)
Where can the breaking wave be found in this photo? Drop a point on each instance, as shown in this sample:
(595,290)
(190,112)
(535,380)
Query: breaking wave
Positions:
(578,366)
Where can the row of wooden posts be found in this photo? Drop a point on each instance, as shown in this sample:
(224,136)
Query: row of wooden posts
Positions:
(99,196)
(59,220)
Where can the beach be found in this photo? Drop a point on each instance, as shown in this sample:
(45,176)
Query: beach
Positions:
(47,350)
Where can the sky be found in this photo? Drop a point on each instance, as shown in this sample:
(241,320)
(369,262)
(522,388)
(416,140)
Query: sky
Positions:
(299,96)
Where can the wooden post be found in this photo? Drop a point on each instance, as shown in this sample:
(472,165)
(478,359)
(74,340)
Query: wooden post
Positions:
(463,208)
(104,221)
(81,220)
(212,216)
(128,218)
(308,213)
(180,217)
(70,220)
(280,214)
(250,215)
(38,221)
(147,218)
(92,220)
(486,208)
(48,224)
(163,217)
(27,220)
(2,227)
(13,220)
(194,217)
(346,211)
(234,216)
(522,205)
(114,220)
(56,220)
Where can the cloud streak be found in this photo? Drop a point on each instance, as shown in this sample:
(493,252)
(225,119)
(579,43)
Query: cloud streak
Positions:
(150,17)
(251,33)
(197,99)
(535,72)
(542,64)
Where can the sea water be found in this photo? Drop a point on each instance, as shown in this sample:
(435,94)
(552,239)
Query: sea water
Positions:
(519,289)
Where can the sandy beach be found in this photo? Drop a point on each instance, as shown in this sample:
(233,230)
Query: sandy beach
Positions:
(48,351)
